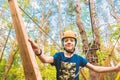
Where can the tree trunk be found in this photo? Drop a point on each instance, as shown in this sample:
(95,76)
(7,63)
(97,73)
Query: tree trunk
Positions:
(118,45)
(10,60)
(92,57)
(59,19)
(81,27)
(89,50)
(5,44)
(115,13)
(39,40)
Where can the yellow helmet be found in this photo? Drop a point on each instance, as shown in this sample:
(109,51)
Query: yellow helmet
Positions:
(70,34)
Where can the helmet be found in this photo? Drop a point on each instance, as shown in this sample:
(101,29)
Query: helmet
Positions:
(69,34)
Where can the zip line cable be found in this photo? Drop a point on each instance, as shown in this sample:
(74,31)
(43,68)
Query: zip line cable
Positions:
(40,27)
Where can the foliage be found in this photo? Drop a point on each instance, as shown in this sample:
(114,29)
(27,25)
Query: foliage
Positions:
(85,72)
(24,3)
(103,55)
(115,31)
(2,67)
(71,10)
(16,73)
(48,72)
(110,76)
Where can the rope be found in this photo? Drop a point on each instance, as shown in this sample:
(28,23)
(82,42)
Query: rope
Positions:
(40,27)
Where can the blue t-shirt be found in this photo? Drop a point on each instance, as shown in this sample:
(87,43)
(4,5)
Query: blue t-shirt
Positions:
(67,68)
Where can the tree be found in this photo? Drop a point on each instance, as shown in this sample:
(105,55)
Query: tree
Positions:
(10,60)
(114,14)
(89,50)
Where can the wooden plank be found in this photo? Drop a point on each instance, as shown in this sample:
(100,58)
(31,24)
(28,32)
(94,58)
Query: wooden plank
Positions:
(118,76)
(30,66)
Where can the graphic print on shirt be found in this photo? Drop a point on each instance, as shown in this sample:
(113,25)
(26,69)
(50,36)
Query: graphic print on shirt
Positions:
(67,71)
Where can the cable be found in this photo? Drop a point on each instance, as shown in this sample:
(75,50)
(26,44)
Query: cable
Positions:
(40,27)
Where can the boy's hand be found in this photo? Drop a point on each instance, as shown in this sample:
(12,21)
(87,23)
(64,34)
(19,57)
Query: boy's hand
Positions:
(118,67)
(34,46)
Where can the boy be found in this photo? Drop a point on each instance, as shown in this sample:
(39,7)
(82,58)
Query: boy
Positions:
(67,63)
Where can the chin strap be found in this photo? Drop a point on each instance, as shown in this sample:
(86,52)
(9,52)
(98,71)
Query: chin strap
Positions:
(69,51)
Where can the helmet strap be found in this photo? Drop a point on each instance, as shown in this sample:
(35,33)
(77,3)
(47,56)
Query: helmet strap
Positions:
(69,51)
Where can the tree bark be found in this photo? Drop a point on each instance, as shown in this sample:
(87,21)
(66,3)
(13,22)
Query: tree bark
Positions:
(89,50)
(60,24)
(81,27)
(92,56)
(115,13)
(2,52)
(10,60)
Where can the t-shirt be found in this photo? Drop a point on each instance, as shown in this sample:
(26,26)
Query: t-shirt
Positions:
(68,68)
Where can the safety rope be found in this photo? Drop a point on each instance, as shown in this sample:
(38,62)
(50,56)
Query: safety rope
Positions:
(40,27)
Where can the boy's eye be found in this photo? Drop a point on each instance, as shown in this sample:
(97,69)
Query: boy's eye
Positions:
(66,40)
(71,40)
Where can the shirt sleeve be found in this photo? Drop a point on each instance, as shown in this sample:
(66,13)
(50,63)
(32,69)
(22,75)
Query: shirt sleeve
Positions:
(83,62)
(56,57)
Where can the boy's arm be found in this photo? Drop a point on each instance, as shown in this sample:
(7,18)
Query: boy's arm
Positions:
(38,52)
(103,69)
(46,59)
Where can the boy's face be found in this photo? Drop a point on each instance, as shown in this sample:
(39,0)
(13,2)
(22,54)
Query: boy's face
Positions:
(69,44)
